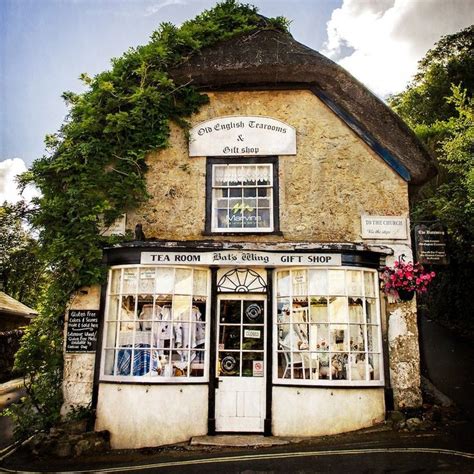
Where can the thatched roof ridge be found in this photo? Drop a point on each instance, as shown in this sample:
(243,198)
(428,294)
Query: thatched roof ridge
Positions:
(272,59)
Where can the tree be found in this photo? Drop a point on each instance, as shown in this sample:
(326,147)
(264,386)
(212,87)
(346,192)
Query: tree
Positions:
(439,106)
(21,269)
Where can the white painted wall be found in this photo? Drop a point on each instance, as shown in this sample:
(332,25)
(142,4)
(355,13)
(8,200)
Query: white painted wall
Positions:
(298,411)
(139,416)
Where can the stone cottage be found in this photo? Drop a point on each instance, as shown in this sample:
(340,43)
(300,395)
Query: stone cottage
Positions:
(253,305)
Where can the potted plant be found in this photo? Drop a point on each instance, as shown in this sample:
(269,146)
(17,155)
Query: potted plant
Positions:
(404,279)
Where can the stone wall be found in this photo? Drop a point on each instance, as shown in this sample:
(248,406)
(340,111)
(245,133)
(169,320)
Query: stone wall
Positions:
(404,354)
(78,373)
(324,189)
(9,345)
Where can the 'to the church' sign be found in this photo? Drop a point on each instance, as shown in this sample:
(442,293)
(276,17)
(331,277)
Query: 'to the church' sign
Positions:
(242,135)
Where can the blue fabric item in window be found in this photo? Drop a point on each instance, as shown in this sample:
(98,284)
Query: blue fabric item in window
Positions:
(141,360)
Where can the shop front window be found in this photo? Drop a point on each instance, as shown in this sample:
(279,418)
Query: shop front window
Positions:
(242,197)
(328,327)
(156,327)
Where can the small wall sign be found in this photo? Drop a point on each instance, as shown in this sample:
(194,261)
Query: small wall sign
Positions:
(116,228)
(384,227)
(82,329)
(242,136)
(430,243)
(257,368)
(240,257)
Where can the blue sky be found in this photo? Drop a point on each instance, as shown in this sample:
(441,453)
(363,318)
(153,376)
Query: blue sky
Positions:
(46,44)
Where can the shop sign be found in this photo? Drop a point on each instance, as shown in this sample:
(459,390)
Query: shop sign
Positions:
(242,136)
(384,227)
(240,257)
(430,243)
(116,228)
(82,329)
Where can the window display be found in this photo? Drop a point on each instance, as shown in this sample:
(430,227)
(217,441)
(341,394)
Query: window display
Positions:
(156,323)
(327,327)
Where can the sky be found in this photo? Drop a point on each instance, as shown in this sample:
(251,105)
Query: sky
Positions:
(46,44)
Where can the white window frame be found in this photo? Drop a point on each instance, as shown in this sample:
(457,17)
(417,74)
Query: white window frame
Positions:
(143,378)
(271,187)
(330,382)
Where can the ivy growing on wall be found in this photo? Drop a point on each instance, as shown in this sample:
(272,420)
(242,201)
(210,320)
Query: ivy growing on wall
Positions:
(96,166)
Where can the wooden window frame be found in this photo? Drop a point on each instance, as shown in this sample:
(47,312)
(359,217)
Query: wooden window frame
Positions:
(264,160)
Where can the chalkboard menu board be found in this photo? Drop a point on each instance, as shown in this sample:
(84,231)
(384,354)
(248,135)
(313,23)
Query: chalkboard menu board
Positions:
(431,244)
(82,329)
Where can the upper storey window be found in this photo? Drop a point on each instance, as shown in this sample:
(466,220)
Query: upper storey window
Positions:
(242,196)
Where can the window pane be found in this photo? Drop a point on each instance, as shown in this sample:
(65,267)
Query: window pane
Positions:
(129,280)
(115,281)
(283,283)
(356,310)
(263,218)
(339,366)
(318,282)
(113,309)
(299,282)
(229,364)
(319,310)
(111,330)
(338,310)
(369,284)
(373,338)
(252,338)
(230,311)
(229,337)
(357,338)
(165,280)
(109,362)
(336,282)
(354,283)
(253,312)
(252,364)
(183,281)
(370,311)
(147,280)
(200,283)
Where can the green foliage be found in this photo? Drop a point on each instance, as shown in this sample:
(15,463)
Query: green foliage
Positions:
(439,106)
(451,61)
(96,166)
(21,268)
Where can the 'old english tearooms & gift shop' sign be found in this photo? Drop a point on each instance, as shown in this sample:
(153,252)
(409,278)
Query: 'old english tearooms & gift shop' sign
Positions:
(242,135)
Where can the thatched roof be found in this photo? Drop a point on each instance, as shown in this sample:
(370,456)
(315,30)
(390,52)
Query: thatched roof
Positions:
(268,59)
(12,306)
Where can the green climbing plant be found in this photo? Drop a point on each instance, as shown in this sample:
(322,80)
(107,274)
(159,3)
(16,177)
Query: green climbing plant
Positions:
(95,166)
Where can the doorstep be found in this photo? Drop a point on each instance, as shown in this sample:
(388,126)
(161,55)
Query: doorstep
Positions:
(238,441)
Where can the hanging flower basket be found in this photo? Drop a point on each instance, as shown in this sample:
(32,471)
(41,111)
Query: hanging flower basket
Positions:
(405,295)
(404,279)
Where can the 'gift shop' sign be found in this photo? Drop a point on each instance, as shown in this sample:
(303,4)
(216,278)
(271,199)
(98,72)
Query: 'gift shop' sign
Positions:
(243,136)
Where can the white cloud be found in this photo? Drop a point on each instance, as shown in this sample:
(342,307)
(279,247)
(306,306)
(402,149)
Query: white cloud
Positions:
(387,38)
(9,170)
(153,9)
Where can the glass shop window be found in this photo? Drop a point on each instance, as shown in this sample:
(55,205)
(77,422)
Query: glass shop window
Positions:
(156,327)
(328,327)
(242,198)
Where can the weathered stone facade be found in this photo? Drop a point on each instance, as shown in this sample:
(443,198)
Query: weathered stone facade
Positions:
(323,190)
(333,179)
